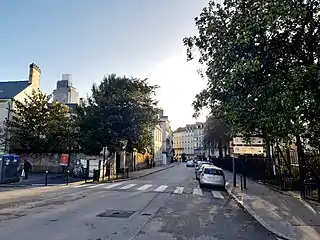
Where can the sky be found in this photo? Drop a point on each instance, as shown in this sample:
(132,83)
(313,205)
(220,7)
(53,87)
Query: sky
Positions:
(90,39)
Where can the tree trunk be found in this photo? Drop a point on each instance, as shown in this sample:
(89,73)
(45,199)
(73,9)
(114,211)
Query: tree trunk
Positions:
(220,149)
(286,163)
(302,165)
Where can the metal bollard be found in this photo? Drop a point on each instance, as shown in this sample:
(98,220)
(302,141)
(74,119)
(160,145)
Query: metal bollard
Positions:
(46,179)
(68,177)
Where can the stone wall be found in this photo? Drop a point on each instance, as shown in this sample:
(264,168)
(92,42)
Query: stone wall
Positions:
(51,162)
(43,162)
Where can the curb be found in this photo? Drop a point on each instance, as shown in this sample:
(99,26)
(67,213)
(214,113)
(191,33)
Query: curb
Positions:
(83,182)
(259,219)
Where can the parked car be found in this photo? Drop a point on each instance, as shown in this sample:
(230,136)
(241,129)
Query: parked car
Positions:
(200,168)
(212,176)
(190,163)
(198,165)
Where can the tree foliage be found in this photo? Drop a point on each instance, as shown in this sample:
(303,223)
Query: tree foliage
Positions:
(262,60)
(121,111)
(216,135)
(38,126)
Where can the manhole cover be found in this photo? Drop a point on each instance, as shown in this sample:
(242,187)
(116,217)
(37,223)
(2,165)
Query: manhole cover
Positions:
(116,214)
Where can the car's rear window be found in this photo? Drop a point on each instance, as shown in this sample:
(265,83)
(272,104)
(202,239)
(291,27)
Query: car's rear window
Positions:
(212,171)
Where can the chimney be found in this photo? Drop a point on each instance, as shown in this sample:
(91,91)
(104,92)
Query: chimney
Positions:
(161,113)
(34,76)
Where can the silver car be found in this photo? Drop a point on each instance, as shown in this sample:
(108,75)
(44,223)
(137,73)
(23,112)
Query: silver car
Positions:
(200,168)
(190,163)
(213,176)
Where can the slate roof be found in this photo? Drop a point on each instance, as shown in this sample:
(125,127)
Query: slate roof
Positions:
(180,129)
(11,89)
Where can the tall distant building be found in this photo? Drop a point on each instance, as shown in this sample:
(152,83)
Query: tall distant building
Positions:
(189,140)
(65,92)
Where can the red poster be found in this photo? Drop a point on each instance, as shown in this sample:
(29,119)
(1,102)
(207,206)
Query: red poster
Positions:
(64,161)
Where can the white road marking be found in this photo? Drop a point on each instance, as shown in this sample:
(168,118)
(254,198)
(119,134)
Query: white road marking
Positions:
(197,191)
(80,186)
(97,185)
(112,185)
(217,194)
(144,187)
(129,186)
(178,190)
(161,188)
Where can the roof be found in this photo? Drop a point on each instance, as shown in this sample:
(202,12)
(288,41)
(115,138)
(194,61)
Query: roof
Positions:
(180,129)
(213,166)
(11,89)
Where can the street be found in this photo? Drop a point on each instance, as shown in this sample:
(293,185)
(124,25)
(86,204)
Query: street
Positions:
(163,205)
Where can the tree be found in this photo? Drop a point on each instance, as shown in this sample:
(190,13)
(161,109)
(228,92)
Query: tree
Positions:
(121,112)
(216,135)
(261,61)
(37,126)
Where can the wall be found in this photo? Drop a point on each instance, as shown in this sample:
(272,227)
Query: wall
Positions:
(4,104)
(51,162)
(179,142)
(22,95)
(43,162)
(157,145)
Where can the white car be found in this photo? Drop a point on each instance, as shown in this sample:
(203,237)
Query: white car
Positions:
(190,163)
(200,168)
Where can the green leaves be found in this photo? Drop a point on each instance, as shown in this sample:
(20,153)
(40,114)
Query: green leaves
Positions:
(38,126)
(121,111)
(261,60)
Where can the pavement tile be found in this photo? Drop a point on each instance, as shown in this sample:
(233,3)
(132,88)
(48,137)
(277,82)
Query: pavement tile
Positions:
(285,216)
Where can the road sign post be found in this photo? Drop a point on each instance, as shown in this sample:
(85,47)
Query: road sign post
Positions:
(234,172)
(240,147)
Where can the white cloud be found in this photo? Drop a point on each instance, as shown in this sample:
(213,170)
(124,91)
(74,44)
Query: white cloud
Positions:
(179,82)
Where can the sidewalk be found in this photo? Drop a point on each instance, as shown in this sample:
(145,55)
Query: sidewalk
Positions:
(34,178)
(285,216)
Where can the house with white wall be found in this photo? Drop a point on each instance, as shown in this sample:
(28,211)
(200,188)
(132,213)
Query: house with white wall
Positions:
(157,134)
(167,138)
(11,91)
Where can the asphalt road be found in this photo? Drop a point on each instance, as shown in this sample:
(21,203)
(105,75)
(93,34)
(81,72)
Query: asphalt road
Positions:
(164,205)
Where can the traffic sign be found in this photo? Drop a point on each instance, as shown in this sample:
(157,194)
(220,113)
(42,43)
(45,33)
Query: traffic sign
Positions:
(252,141)
(248,150)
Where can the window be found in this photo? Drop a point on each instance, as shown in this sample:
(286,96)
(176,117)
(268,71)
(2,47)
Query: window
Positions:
(212,171)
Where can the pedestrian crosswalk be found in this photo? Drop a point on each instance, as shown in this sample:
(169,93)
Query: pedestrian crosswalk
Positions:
(144,187)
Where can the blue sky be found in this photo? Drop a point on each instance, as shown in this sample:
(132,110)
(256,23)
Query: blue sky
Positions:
(88,39)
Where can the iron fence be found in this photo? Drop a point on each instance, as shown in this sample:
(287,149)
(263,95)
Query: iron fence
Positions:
(275,172)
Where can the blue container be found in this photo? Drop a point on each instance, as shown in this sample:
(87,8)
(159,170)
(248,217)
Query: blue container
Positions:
(9,168)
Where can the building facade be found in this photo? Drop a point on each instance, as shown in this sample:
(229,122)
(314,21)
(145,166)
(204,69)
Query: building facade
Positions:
(11,91)
(157,145)
(189,140)
(179,141)
(167,138)
(65,92)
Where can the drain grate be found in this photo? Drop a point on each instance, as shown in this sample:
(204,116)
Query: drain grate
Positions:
(146,214)
(116,214)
